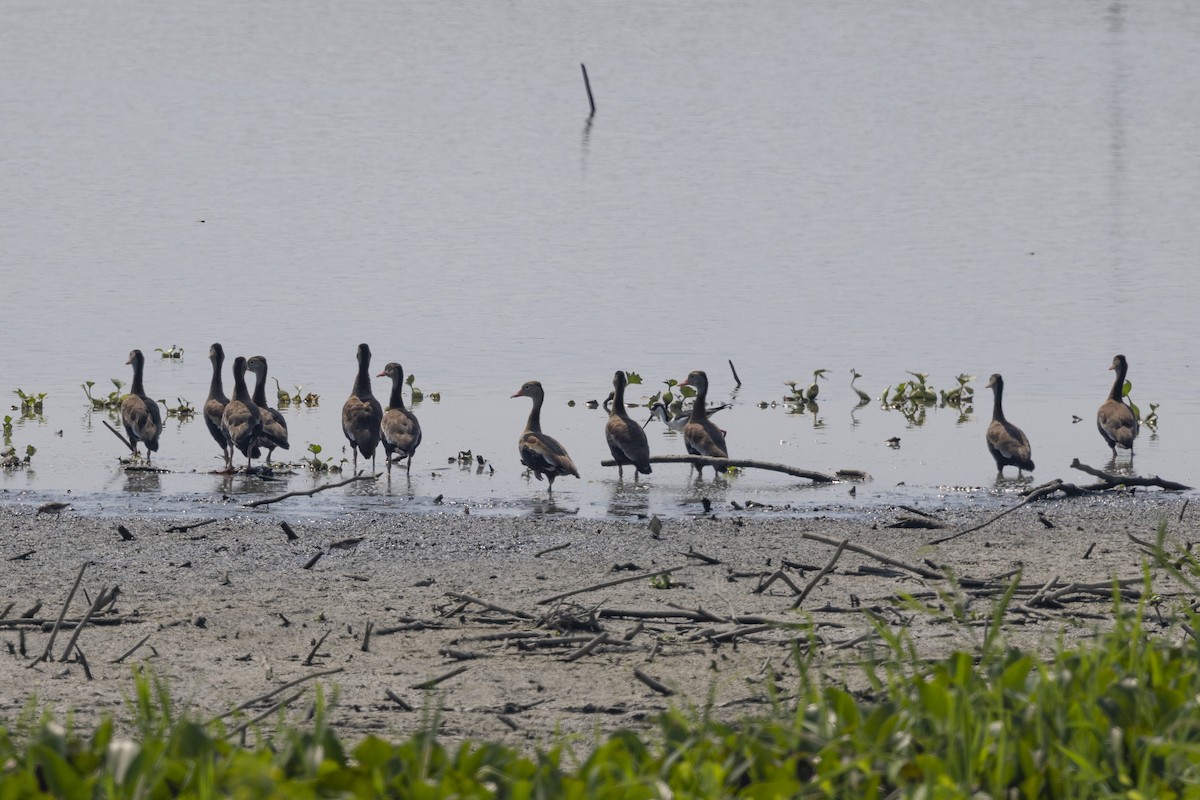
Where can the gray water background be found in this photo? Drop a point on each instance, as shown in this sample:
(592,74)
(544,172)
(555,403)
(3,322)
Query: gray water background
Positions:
(939,187)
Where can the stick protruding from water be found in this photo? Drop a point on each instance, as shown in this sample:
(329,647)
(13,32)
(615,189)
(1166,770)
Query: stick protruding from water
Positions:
(588,85)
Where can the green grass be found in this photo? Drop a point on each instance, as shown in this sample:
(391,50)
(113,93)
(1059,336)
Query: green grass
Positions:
(1115,716)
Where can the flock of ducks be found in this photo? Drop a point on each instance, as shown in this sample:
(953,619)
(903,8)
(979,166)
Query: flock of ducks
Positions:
(246,424)
(1009,445)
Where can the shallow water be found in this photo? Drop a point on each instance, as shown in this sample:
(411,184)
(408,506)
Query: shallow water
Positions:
(1007,188)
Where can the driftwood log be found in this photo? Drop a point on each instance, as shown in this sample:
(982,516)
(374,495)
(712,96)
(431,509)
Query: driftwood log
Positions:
(310,492)
(746,463)
(1111,481)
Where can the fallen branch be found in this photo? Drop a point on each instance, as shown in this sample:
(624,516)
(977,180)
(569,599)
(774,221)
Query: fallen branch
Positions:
(866,551)
(1112,481)
(131,650)
(277,690)
(1037,494)
(119,435)
(657,686)
(281,704)
(432,682)
(312,653)
(188,527)
(824,571)
(639,577)
(721,463)
(310,492)
(466,598)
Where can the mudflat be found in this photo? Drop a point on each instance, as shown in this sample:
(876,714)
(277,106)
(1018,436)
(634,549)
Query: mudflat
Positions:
(517,629)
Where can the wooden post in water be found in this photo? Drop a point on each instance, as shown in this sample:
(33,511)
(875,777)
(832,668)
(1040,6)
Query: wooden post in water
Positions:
(588,85)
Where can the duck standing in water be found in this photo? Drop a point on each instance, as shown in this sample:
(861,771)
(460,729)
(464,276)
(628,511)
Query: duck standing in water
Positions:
(214,406)
(139,413)
(242,421)
(361,413)
(539,451)
(274,426)
(1115,419)
(400,431)
(626,439)
(1007,443)
(700,436)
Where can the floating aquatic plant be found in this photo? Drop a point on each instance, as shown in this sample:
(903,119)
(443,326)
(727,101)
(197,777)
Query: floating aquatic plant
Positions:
(417,394)
(318,464)
(184,410)
(110,402)
(31,404)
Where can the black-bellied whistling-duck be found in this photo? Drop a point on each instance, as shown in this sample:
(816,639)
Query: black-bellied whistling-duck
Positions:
(361,413)
(400,431)
(1007,443)
(540,452)
(242,421)
(214,406)
(1115,420)
(274,426)
(139,413)
(626,439)
(700,436)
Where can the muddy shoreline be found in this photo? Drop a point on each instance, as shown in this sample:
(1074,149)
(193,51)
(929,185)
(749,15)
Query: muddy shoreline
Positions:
(236,608)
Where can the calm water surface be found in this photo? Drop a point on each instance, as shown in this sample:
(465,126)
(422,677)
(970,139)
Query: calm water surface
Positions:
(1006,187)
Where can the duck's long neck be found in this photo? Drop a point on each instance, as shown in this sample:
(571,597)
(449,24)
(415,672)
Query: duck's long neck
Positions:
(397,398)
(534,425)
(216,389)
(240,393)
(618,403)
(362,382)
(699,408)
(136,386)
(260,389)
(997,408)
(1118,390)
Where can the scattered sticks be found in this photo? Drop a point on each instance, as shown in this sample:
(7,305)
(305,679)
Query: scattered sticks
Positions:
(820,575)
(745,463)
(309,492)
(45,656)
(264,697)
(641,576)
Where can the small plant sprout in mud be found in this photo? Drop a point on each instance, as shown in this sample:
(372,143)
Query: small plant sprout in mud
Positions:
(174,351)
(318,464)
(110,403)
(417,394)
(31,404)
